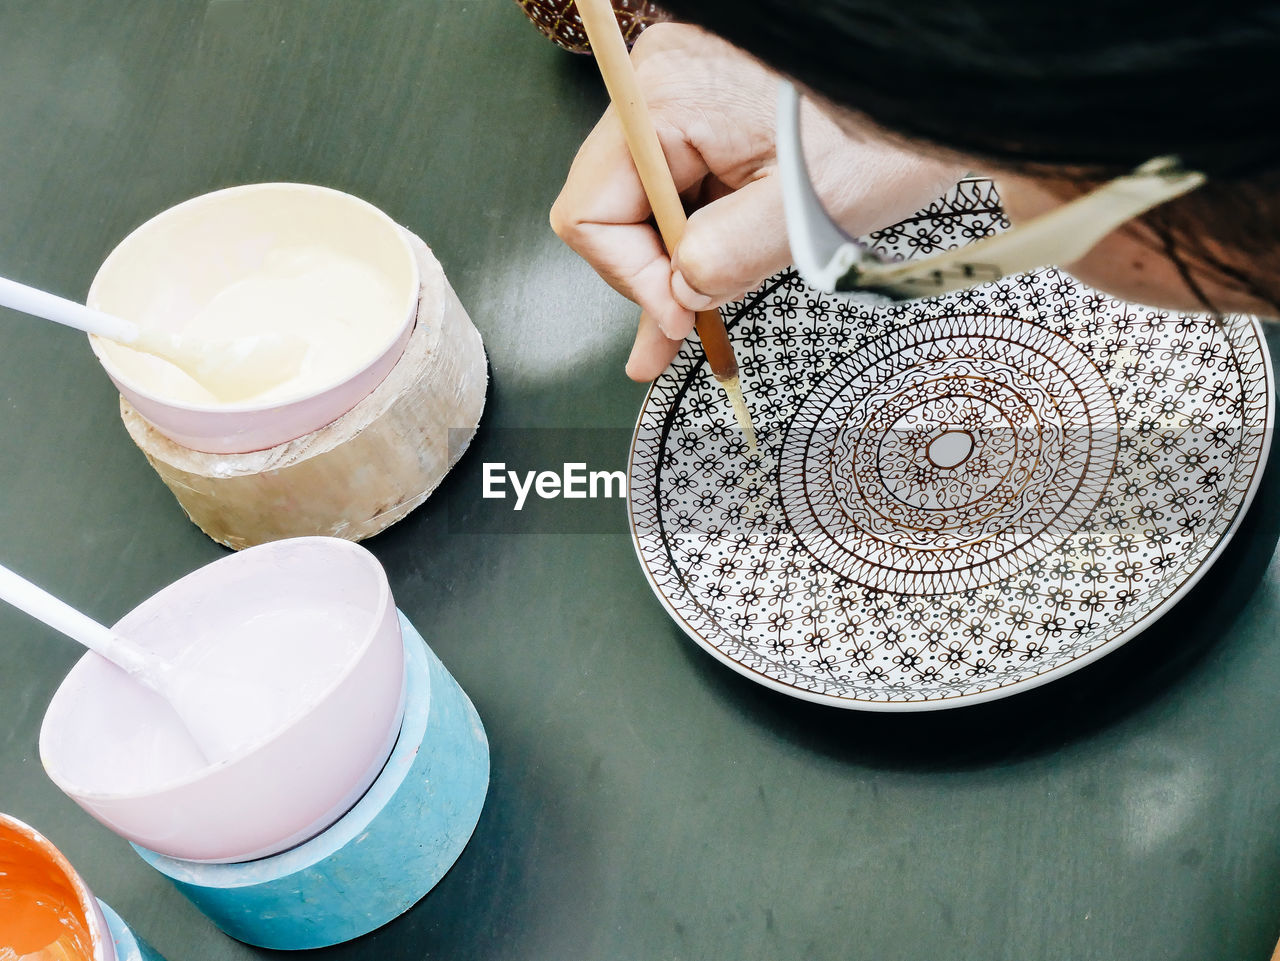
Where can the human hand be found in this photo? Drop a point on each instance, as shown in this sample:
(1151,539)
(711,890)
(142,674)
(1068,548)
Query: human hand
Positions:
(713,108)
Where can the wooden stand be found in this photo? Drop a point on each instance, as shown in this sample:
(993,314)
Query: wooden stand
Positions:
(366,470)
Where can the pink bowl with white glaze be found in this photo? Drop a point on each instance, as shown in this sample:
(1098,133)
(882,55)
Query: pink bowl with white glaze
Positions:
(171,267)
(314,615)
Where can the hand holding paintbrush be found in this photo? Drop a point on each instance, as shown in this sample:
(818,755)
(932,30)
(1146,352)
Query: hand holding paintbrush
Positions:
(611,56)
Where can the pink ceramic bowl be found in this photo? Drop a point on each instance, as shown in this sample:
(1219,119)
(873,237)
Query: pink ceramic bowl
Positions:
(314,615)
(173,266)
(46,910)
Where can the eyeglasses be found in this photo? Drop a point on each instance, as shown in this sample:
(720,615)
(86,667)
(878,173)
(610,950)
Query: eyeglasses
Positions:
(830,260)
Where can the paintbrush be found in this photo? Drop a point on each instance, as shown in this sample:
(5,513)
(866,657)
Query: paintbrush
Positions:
(610,51)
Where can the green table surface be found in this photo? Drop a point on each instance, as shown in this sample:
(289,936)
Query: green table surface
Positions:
(646,802)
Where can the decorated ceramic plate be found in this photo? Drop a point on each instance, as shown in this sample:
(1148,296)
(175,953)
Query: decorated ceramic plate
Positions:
(955,499)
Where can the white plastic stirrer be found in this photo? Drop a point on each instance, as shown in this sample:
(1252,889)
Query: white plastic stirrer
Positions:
(198,698)
(231,369)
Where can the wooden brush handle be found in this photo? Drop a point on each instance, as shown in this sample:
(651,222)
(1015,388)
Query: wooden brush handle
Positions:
(611,55)
(620,80)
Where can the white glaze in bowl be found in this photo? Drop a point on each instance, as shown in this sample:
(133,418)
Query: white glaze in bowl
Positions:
(260,258)
(313,615)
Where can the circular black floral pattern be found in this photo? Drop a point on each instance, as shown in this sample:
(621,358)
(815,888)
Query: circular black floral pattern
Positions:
(947,453)
(956,498)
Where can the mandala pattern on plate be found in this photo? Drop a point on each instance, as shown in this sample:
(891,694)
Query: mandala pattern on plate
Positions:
(947,454)
(958,498)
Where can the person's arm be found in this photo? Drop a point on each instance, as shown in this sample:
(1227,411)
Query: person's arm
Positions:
(713,107)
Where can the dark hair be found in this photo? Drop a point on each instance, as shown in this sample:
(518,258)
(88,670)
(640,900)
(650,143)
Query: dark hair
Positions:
(1091,83)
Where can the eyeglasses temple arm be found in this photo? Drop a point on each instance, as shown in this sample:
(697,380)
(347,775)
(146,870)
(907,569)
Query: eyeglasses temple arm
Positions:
(829,259)
(818,246)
